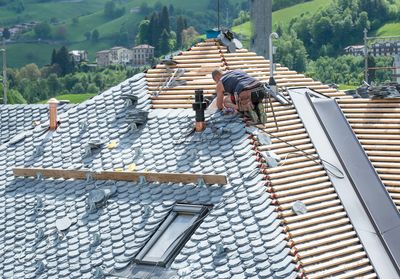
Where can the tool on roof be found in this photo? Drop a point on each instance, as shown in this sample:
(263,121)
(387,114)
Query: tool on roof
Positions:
(171,81)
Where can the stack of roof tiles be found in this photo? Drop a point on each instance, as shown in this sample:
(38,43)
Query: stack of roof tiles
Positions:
(252,216)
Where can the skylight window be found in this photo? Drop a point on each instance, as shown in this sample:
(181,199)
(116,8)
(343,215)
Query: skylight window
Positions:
(171,235)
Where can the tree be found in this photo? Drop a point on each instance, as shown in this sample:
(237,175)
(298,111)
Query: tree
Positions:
(53,84)
(75,20)
(109,9)
(53,57)
(95,35)
(143,35)
(179,28)
(154,30)
(30,72)
(171,10)
(62,59)
(6,33)
(164,42)
(189,35)
(42,30)
(291,52)
(88,35)
(164,20)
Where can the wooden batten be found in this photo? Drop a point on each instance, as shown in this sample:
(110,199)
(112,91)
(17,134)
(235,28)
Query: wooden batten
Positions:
(121,176)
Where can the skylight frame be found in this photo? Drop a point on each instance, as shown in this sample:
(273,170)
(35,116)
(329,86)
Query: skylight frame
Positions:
(198,212)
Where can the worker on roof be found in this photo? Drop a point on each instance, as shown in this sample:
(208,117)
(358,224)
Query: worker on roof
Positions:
(244,94)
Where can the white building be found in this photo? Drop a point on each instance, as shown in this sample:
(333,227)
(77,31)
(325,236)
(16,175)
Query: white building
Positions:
(142,54)
(120,56)
(78,56)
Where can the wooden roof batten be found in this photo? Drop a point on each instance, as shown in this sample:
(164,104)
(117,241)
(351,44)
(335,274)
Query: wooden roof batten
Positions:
(200,60)
(160,177)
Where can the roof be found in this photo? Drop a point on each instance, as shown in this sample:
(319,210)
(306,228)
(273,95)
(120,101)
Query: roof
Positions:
(103,51)
(77,52)
(161,144)
(253,216)
(118,48)
(143,46)
(376,124)
(17,118)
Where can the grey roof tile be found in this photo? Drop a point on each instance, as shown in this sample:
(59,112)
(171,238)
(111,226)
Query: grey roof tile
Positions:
(105,236)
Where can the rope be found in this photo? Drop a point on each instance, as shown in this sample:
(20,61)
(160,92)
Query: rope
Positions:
(322,162)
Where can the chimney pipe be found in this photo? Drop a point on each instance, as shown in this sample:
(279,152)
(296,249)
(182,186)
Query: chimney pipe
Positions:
(53,103)
(199,106)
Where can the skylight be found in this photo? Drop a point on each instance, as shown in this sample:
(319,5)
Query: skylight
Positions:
(171,235)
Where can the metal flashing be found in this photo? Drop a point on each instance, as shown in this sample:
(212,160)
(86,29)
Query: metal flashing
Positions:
(379,250)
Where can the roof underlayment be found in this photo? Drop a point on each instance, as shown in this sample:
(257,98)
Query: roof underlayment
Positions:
(252,216)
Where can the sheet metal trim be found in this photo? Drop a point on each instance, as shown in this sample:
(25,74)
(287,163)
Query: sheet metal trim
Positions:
(381,258)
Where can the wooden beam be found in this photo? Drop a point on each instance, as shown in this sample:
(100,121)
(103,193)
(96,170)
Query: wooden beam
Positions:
(122,176)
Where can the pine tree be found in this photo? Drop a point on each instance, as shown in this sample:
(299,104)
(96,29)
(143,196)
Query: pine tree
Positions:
(185,24)
(54,57)
(164,42)
(143,35)
(164,19)
(6,33)
(63,61)
(154,30)
(171,10)
(179,29)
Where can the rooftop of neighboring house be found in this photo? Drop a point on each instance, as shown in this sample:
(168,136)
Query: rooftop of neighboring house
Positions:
(143,46)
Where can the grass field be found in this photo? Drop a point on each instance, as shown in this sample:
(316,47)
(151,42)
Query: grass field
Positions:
(389,29)
(281,17)
(284,16)
(19,54)
(345,87)
(73,98)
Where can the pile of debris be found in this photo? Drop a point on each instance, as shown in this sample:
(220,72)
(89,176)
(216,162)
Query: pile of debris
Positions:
(386,91)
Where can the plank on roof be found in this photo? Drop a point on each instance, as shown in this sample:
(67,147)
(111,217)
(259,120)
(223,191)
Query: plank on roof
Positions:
(122,176)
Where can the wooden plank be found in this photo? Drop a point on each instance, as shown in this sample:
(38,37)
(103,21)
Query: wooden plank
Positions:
(122,176)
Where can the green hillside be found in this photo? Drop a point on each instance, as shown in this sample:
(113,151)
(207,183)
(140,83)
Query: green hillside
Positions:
(73,98)
(389,29)
(89,15)
(283,16)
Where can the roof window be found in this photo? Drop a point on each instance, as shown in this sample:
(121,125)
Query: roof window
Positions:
(172,235)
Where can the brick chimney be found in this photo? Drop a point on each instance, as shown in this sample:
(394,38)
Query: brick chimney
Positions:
(53,103)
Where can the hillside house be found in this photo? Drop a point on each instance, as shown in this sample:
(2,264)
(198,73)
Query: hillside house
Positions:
(376,49)
(78,56)
(142,54)
(355,50)
(120,56)
(103,58)
(385,48)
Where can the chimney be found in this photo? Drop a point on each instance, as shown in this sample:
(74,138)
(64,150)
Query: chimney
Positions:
(199,106)
(53,103)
